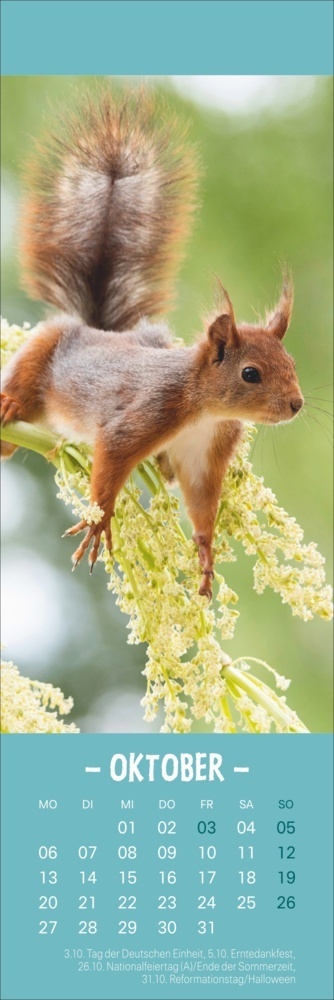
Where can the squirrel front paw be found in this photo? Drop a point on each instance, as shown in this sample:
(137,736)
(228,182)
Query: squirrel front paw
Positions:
(10,409)
(205,589)
(93,534)
(206,563)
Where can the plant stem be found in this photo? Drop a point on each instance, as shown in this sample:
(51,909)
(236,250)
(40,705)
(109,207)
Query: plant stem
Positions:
(147,479)
(35,438)
(55,450)
(260,696)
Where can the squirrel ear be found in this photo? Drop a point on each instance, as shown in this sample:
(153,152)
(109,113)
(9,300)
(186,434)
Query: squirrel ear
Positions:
(223,328)
(278,320)
(223,331)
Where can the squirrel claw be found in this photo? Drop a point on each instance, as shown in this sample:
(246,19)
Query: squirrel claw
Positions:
(75,529)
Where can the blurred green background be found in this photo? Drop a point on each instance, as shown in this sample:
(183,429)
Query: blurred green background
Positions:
(265,197)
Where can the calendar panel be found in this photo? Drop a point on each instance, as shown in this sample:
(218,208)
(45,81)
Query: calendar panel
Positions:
(142,867)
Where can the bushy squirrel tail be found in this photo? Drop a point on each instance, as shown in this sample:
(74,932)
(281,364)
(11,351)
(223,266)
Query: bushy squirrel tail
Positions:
(111,195)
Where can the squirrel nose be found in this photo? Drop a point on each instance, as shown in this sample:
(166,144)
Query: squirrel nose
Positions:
(296,403)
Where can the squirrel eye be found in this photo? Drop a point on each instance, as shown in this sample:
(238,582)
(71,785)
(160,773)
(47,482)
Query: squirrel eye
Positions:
(251,375)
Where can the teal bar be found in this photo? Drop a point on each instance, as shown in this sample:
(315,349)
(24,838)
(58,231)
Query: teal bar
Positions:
(167,36)
(295,771)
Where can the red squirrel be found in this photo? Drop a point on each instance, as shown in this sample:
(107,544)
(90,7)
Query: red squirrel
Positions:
(110,199)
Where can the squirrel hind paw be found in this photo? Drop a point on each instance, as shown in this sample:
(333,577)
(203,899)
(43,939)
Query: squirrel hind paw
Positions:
(93,534)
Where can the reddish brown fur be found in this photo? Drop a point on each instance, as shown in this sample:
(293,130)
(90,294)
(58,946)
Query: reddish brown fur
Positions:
(27,382)
(29,396)
(202,498)
(111,198)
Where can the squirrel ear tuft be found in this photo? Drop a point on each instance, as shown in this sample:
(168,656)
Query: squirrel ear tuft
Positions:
(277,322)
(223,331)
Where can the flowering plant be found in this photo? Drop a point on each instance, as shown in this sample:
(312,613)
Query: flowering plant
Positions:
(31,706)
(153,573)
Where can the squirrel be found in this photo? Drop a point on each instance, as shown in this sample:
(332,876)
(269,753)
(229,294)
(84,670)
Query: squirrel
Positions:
(111,198)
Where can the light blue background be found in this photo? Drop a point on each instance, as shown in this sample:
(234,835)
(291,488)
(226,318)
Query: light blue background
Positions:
(34,767)
(166,36)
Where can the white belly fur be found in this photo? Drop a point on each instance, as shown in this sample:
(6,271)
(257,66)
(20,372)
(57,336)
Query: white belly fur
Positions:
(189,450)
